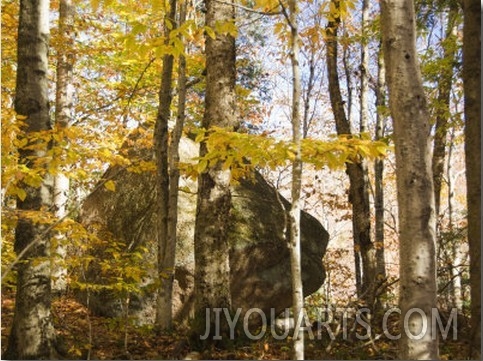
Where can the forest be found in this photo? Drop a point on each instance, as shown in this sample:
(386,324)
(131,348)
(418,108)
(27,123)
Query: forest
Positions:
(241,179)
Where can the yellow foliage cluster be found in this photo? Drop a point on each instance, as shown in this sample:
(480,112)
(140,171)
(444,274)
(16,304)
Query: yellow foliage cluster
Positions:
(242,152)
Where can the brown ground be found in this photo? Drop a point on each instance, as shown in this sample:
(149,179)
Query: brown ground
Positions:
(73,325)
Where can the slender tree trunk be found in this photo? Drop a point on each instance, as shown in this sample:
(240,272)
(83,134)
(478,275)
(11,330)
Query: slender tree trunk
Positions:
(417,221)
(307,118)
(358,192)
(379,172)
(296,208)
(442,111)
(64,98)
(212,267)
(32,335)
(364,68)
(471,81)
(347,73)
(454,254)
(166,244)
(174,174)
(368,251)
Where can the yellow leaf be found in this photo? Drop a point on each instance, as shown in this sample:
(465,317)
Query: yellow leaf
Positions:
(210,32)
(169,25)
(95,4)
(21,194)
(199,137)
(279,27)
(185,189)
(157,5)
(110,185)
(202,165)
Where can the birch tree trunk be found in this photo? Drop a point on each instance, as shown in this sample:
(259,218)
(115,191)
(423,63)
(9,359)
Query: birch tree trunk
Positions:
(212,267)
(417,221)
(294,215)
(166,244)
(358,191)
(472,90)
(32,335)
(64,98)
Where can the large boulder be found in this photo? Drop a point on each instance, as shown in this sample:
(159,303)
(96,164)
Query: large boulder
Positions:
(259,256)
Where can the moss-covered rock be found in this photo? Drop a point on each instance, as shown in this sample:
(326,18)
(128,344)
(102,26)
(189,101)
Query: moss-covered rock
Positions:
(259,258)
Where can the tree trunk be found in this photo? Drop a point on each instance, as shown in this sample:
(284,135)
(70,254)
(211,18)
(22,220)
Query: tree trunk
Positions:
(174,158)
(294,216)
(32,335)
(358,191)
(442,107)
(368,251)
(212,267)
(417,221)
(347,73)
(64,98)
(472,90)
(453,251)
(364,68)
(307,117)
(166,244)
(378,175)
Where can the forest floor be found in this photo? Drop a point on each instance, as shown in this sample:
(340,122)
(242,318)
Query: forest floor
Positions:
(83,336)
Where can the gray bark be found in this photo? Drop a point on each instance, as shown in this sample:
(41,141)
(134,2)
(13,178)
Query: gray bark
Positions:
(212,273)
(32,335)
(417,221)
(472,90)
(64,98)
(174,176)
(294,241)
(166,242)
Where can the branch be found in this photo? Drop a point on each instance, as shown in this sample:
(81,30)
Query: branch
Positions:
(286,14)
(126,108)
(250,10)
(102,107)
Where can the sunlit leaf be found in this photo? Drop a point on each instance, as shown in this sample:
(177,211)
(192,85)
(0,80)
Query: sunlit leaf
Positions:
(110,185)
